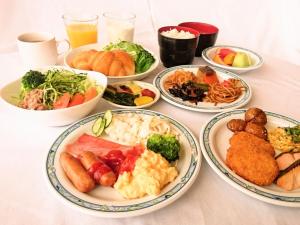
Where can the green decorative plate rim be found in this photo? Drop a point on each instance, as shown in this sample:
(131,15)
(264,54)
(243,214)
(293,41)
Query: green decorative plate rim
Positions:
(182,104)
(187,179)
(213,162)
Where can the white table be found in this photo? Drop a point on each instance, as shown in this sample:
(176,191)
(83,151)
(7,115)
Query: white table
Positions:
(26,199)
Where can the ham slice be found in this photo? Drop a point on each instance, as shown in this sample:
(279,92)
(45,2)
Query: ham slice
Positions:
(98,146)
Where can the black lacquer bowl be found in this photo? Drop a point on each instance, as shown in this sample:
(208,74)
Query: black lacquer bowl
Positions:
(175,51)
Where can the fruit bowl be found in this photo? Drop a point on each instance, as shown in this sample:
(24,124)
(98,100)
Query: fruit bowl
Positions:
(234,59)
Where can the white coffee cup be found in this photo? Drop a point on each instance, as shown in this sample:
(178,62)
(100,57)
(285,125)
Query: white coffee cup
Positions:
(38,49)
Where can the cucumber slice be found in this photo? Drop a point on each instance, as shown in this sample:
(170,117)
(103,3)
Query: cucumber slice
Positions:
(108,117)
(101,128)
(96,125)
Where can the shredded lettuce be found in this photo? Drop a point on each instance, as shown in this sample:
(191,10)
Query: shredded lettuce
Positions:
(143,59)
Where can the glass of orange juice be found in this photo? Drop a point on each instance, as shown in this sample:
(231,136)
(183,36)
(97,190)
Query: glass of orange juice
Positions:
(81,29)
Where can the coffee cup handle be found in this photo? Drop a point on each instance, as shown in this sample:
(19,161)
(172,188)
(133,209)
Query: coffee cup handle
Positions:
(61,42)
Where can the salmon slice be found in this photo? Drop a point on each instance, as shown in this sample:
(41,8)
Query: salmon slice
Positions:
(285,160)
(291,180)
(98,146)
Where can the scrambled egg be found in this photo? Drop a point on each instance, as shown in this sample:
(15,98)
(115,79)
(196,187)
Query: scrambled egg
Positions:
(151,173)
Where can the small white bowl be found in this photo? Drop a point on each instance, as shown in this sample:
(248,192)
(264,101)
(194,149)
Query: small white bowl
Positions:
(209,53)
(71,53)
(55,117)
(142,85)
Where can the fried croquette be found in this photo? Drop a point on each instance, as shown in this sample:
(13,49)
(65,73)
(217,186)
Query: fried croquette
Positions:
(253,164)
(242,140)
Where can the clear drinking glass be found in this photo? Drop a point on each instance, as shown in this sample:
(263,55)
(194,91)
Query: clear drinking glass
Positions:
(119,26)
(81,29)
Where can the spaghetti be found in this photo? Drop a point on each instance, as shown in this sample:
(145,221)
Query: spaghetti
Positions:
(179,77)
(226,92)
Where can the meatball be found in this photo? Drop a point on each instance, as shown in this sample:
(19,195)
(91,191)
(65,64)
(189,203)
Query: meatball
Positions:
(257,130)
(256,115)
(236,125)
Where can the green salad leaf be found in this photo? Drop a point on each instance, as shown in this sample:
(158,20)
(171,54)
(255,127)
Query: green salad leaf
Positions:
(143,59)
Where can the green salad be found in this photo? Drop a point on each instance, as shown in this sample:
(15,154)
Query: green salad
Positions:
(55,89)
(143,59)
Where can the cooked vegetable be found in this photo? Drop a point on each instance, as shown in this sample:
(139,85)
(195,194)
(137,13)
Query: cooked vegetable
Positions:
(143,100)
(294,132)
(142,58)
(32,79)
(167,145)
(120,98)
(190,91)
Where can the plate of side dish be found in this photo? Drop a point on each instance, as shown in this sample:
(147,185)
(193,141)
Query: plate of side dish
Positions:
(202,88)
(101,164)
(256,152)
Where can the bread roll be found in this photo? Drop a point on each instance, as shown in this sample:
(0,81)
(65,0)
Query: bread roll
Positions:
(110,63)
(81,60)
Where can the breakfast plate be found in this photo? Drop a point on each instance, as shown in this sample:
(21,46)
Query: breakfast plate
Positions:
(222,75)
(73,52)
(106,201)
(131,91)
(256,60)
(214,142)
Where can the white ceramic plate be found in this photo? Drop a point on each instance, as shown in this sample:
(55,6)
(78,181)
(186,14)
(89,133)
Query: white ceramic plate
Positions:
(202,106)
(71,53)
(257,60)
(57,117)
(142,85)
(105,201)
(214,142)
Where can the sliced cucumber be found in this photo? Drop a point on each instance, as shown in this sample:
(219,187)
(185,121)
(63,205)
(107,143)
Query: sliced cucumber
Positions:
(108,117)
(101,128)
(96,125)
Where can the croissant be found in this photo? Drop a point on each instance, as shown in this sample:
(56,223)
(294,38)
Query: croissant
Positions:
(110,63)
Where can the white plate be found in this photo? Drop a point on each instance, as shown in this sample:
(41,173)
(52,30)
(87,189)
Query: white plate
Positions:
(257,60)
(142,85)
(214,142)
(202,106)
(105,201)
(71,53)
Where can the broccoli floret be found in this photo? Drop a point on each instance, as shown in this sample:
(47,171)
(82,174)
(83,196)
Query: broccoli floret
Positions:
(167,145)
(32,79)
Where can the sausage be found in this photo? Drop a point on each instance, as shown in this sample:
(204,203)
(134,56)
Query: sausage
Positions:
(257,130)
(101,172)
(76,173)
(256,115)
(236,125)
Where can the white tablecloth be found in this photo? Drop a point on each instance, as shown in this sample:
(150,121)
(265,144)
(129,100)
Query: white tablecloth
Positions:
(26,199)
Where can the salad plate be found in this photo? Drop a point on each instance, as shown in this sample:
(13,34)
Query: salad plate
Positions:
(106,201)
(256,60)
(214,142)
(73,52)
(132,86)
(10,93)
(222,75)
